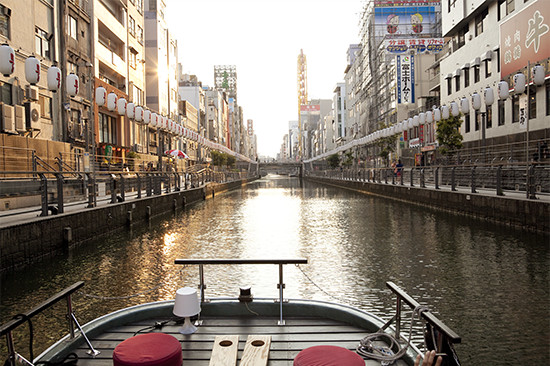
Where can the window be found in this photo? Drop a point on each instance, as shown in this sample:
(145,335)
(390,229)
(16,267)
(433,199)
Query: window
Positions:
(5,21)
(132,26)
(476,74)
(515,108)
(107,129)
(45,107)
(132,57)
(510,6)
(449,86)
(72,67)
(139,6)
(479,22)
(72,28)
(467,122)
(6,93)
(466,77)
(488,66)
(489,117)
(42,43)
(532,102)
(457,83)
(137,95)
(501,112)
(461,37)
(139,34)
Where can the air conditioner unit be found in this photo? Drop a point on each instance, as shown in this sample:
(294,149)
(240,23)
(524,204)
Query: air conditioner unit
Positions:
(8,118)
(32,114)
(20,125)
(32,92)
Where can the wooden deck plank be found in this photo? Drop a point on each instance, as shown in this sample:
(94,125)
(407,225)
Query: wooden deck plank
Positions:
(224,351)
(256,351)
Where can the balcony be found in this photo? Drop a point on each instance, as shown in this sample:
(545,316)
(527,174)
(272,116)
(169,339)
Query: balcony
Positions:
(110,58)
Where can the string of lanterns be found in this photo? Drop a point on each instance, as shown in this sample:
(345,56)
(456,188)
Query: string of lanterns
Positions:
(111,101)
(444,112)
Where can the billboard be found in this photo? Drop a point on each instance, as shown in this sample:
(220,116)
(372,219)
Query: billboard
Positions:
(420,45)
(405,2)
(405,21)
(306,108)
(524,38)
(405,79)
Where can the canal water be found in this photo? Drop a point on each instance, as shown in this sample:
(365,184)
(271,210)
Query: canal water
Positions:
(489,283)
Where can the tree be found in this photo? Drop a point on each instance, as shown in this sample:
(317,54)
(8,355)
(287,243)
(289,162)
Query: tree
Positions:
(387,146)
(333,161)
(230,160)
(348,161)
(448,135)
(218,158)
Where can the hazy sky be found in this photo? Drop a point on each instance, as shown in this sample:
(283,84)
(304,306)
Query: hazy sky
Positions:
(263,39)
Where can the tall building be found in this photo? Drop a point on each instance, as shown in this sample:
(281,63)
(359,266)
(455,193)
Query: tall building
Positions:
(491,42)
(225,78)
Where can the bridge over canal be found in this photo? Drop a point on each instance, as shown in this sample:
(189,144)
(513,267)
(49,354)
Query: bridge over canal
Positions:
(286,168)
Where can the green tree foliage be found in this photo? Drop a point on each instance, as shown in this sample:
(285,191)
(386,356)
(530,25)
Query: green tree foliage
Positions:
(448,134)
(333,161)
(348,159)
(231,161)
(387,146)
(218,158)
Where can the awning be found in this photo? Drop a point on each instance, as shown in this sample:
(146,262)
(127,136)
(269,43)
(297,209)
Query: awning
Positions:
(475,62)
(449,76)
(457,72)
(465,66)
(487,56)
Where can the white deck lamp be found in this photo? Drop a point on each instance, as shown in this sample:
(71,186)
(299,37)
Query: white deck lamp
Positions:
(187,305)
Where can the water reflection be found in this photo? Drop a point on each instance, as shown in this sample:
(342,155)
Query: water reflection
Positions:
(487,282)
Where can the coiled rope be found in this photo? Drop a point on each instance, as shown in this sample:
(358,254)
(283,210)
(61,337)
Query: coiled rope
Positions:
(367,348)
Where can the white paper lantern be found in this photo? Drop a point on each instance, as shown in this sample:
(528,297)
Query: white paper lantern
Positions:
(489,96)
(454,109)
(112,101)
(416,121)
(72,84)
(476,101)
(538,75)
(444,112)
(154,119)
(32,70)
(437,114)
(100,96)
(7,60)
(503,90)
(139,114)
(422,118)
(121,106)
(410,123)
(54,79)
(519,83)
(464,106)
(130,110)
(146,117)
(429,117)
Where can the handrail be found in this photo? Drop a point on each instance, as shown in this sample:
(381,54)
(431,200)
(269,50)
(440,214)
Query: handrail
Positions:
(279,262)
(12,324)
(427,315)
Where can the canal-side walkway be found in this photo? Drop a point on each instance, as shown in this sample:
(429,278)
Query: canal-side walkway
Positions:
(511,208)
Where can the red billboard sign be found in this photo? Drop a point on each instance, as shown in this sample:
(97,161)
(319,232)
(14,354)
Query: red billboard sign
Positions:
(524,38)
(310,108)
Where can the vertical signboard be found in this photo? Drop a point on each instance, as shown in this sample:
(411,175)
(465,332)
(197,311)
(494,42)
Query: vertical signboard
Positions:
(525,37)
(405,79)
(523,111)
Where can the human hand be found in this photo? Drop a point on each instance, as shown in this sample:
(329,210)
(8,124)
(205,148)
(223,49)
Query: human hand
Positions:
(428,359)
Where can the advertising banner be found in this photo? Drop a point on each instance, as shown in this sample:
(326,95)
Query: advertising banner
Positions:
(405,2)
(525,37)
(402,21)
(420,45)
(405,79)
(310,108)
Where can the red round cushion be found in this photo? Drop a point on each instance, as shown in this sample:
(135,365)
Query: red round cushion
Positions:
(328,356)
(152,349)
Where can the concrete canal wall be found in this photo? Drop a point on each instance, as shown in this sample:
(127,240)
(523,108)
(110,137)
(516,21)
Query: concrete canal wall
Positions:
(33,240)
(533,215)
